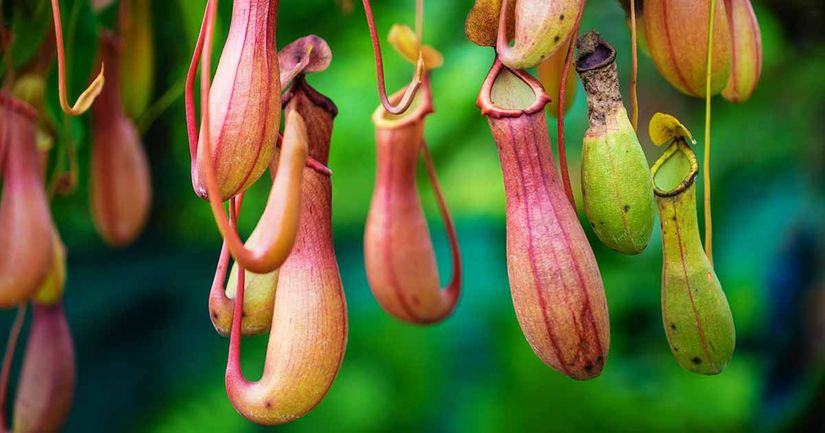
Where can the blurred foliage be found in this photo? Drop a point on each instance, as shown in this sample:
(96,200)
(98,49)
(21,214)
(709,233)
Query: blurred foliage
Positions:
(149,360)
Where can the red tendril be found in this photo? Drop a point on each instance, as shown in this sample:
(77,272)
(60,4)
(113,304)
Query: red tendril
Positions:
(412,88)
(11,344)
(85,100)
(565,175)
(234,361)
(453,290)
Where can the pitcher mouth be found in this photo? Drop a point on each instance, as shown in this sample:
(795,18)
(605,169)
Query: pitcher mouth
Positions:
(594,52)
(675,171)
(510,93)
(18,106)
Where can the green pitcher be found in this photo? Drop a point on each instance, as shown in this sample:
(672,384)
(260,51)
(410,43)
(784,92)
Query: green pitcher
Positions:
(616,185)
(695,312)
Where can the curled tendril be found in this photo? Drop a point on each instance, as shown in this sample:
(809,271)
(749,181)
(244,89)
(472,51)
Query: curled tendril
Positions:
(281,213)
(85,100)
(412,88)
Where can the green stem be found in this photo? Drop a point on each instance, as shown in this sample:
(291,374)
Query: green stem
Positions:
(708,220)
(8,358)
(160,105)
(634,100)
(60,149)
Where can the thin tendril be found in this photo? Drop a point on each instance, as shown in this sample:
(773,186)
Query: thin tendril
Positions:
(454,288)
(233,364)
(60,165)
(310,163)
(634,101)
(66,162)
(708,221)
(85,100)
(8,358)
(54,177)
(412,88)
(8,41)
(160,105)
(74,165)
(189,91)
(419,20)
(501,37)
(123,16)
(71,145)
(568,60)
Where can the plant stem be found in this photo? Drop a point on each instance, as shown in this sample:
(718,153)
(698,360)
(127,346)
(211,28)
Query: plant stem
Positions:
(419,21)
(8,358)
(706,168)
(61,150)
(160,105)
(634,100)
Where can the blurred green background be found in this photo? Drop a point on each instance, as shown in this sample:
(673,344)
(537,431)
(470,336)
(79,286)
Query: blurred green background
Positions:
(150,361)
